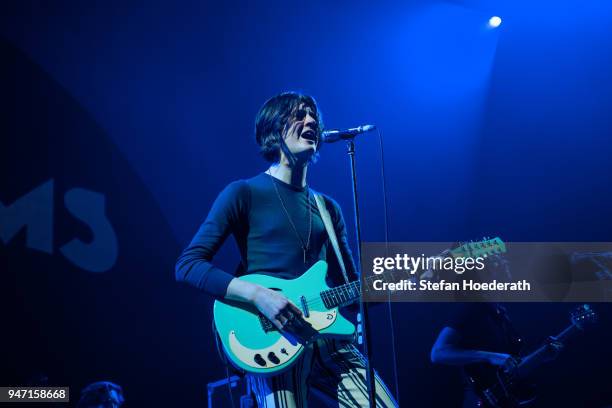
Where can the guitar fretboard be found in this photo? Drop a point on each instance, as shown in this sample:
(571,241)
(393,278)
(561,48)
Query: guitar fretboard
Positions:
(348,293)
(341,295)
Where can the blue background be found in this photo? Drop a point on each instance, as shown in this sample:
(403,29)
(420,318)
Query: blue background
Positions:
(486,132)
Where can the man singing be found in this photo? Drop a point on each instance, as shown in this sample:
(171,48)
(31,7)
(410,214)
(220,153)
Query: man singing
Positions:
(279,231)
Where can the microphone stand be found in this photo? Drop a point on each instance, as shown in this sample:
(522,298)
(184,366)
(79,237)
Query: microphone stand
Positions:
(363,306)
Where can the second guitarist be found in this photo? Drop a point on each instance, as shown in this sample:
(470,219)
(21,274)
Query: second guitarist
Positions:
(481,339)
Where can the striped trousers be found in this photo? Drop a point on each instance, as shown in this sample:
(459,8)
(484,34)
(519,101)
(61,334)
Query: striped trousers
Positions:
(332,370)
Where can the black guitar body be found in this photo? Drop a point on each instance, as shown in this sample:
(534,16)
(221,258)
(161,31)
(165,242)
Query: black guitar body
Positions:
(505,394)
(497,390)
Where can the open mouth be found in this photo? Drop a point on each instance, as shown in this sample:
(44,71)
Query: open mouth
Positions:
(310,135)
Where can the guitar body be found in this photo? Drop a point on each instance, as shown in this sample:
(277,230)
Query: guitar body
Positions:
(503,392)
(252,344)
(250,341)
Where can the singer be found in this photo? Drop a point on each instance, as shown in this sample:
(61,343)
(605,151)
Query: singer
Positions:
(280,231)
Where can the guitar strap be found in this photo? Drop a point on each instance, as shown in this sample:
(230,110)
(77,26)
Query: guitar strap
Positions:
(331,232)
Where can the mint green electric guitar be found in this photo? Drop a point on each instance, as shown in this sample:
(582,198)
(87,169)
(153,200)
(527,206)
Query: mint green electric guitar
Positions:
(253,344)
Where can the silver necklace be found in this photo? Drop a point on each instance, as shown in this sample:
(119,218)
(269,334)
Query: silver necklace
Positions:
(305,245)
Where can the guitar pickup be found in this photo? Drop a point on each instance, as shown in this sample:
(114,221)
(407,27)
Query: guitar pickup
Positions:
(266,324)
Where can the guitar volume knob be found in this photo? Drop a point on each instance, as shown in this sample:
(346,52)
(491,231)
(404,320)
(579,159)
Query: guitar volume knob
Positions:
(273,358)
(260,360)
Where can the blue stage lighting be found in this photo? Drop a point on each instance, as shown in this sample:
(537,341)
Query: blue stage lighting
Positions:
(495,22)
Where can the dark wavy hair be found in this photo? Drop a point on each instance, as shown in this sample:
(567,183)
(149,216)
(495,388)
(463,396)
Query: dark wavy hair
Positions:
(101,393)
(274,118)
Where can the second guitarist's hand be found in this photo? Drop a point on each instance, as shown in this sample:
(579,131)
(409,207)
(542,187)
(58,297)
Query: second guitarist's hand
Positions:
(272,304)
(498,359)
(553,348)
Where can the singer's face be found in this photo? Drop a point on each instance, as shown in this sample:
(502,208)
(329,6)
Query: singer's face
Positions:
(301,134)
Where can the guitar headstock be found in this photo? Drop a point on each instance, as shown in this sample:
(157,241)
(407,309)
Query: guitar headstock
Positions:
(480,249)
(583,316)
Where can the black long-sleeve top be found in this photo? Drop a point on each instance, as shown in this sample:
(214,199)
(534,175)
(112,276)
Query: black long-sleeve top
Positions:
(253,213)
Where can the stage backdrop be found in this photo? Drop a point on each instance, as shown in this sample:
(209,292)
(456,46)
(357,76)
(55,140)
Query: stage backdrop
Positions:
(87,272)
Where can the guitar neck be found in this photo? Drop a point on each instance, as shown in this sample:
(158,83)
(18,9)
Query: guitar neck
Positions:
(348,293)
(535,359)
(342,295)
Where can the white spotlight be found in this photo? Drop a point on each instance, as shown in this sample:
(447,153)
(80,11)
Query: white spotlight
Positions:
(494,22)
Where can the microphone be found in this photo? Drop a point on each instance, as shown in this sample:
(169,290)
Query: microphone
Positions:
(331,136)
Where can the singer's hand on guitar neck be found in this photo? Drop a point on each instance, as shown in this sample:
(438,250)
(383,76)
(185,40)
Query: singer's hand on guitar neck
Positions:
(272,304)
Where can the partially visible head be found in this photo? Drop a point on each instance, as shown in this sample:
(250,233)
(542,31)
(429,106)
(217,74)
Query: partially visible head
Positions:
(289,124)
(102,394)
